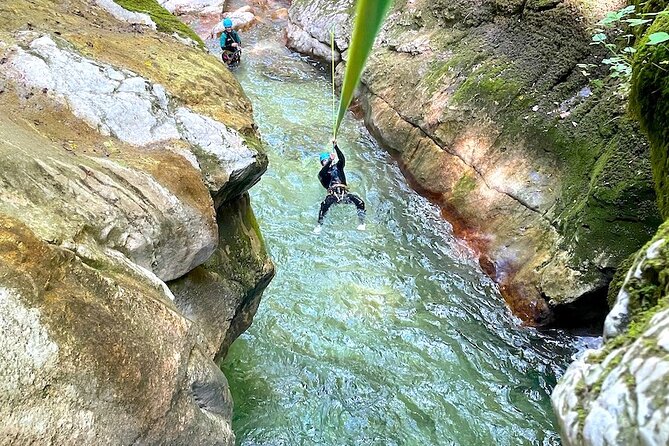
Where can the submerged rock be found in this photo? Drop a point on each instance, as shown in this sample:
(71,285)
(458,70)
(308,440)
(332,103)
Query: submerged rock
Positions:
(469,95)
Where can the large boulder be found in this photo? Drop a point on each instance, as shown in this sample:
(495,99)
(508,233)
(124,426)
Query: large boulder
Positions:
(94,352)
(122,104)
(618,395)
(222,295)
(488,113)
(125,157)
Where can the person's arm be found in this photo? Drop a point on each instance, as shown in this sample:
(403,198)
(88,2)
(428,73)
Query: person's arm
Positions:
(342,161)
(238,39)
(223,38)
(323,174)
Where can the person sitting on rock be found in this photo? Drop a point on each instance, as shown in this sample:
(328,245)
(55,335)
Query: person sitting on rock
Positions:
(333,179)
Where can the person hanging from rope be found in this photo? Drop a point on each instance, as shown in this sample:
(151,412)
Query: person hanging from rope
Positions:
(333,179)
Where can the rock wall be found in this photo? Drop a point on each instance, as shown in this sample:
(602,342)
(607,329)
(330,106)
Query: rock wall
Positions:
(618,395)
(129,255)
(488,114)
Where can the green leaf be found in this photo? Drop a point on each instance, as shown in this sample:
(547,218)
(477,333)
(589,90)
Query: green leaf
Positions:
(657,38)
(597,83)
(610,18)
(369,17)
(637,22)
(599,37)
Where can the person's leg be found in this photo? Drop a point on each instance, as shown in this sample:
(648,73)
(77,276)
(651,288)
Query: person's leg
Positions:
(325,207)
(360,207)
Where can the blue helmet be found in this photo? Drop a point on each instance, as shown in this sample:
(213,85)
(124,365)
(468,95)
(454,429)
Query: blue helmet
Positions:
(324,156)
(227,23)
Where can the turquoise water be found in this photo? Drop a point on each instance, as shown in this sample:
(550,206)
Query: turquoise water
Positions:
(392,336)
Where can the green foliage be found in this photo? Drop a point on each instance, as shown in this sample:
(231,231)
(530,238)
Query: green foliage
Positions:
(368,20)
(165,21)
(649,102)
(616,36)
(657,38)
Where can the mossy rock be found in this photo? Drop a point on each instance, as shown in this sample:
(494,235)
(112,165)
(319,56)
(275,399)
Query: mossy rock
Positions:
(618,279)
(165,21)
(649,101)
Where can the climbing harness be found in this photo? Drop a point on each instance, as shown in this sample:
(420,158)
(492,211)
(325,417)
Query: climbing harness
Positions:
(339,191)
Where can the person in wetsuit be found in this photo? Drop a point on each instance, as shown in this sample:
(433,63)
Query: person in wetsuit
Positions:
(230,40)
(333,179)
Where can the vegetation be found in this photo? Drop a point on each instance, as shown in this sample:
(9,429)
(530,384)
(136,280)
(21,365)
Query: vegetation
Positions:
(165,21)
(616,34)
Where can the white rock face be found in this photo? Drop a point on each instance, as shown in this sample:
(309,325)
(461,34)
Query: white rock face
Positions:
(216,139)
(318,18)
(620,396)
(124,15)
(121,104)
(300,40)
(193,6)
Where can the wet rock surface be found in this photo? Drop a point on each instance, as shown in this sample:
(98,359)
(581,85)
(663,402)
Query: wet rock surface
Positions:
(618,395)
(119,173)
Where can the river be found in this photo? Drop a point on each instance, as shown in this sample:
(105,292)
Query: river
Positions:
(391,336)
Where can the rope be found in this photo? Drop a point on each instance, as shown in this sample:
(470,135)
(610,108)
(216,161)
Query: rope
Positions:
(334,94)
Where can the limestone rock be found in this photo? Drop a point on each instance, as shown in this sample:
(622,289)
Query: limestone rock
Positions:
(120,103)
(82,365)
(242,19)
(303,42)
(102,200)
(320,17)
(124,15)
(67,198)
(193,6)
(619,395)
(222,296)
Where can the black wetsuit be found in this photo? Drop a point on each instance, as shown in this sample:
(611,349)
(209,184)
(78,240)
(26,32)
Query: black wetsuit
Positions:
(333,178)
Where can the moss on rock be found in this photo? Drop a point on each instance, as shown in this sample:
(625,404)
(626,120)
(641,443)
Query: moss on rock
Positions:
(164,20)
(649,101)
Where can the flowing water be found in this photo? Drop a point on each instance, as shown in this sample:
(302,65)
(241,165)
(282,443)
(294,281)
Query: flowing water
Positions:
(392,336)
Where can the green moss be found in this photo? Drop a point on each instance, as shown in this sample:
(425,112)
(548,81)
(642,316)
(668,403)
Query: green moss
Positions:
(463,187)
(648,294)
(241,254)
(649,101)
(618,279)
(165,21)
(488,85)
